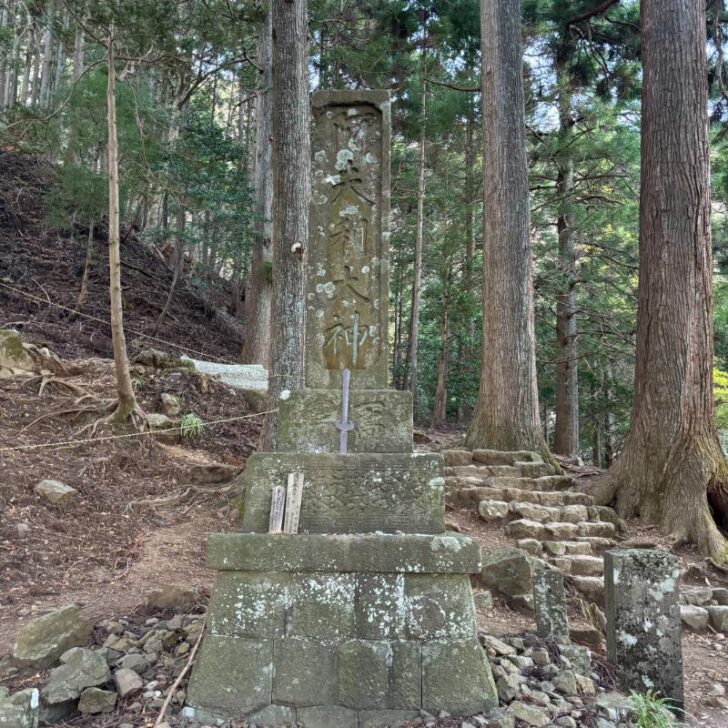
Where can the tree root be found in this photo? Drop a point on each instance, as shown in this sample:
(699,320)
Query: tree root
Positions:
(186,495)
(113,413)
(52,382)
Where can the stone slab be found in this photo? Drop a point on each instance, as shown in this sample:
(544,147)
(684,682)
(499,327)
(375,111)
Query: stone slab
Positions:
(232,676)
(439,607)
(456,677)
(304,672)
(643,621)
(354,493)
(347,271)
(328,716)
(549,603)
(382,421)
(450,553)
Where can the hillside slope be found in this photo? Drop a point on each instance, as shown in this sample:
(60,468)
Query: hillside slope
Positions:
(48,264)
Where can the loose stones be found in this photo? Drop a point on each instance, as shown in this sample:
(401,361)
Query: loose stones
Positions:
(643,621)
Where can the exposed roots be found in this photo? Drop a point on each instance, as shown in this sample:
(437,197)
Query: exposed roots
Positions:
(112,414)
(51,382)
(188,494)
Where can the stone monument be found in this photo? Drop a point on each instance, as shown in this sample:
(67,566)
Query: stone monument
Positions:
(365,616)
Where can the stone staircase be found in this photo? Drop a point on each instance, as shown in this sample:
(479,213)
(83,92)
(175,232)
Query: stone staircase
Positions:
(541,511)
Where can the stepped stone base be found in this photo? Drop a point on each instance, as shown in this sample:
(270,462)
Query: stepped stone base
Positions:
(353,493)
(361,629)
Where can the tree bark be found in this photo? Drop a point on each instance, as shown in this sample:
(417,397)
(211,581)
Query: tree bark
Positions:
(127,404)
(566,431)
(258,298)
(88,262)
(671,461)
(439,408)
(291,166)
(507,415)
(45,74)
(413,341)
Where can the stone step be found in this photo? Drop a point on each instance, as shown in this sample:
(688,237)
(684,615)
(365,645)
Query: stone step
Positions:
(590,587)
(457,457)
(464,492)
(481,472)
(544,514)
(598,544)
(501,457)
(580,565)
(546,482)
(534,470)
(556,531)
(567,548)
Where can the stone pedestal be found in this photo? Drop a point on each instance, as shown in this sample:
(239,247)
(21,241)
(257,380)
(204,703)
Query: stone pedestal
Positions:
(643,621)
(366,616)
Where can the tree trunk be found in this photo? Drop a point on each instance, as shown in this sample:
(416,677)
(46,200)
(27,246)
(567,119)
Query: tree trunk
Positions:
(672,459)
(258,297)
(413,341)
(45,74)
(179,261)
(79,53)
(566,431)
(127,404)
(83,290)
(506,416)
(291,166)
(439,408)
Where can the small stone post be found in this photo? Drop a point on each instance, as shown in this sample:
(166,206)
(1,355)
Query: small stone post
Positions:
(643,621)
(549,603)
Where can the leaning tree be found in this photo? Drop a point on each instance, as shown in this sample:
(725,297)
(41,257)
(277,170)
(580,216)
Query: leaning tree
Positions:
(672,464)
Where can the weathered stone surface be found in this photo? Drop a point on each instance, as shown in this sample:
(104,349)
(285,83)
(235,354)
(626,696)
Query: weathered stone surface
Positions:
(41,642)
(643,620)
(127,683)
(498,457)
(379,608)
(579,565)
(327,716)
(323,607)
(12,353)
(529,714)
(347,295)
(699,596)
(95,700)
(304,673)
(19,710)
(275,715)
(549,603)
(441,661)
(232,676)
(170,404)
(81,669)
(456,457)
(382,421)
(55,492)
(524,528)
(385,718)
(388,553)
(507,570)
(719,617)
(159,421)
(490,510)
(439,607)
(363,673)
(696,618)
(251,377)
(530,546)
(358,492)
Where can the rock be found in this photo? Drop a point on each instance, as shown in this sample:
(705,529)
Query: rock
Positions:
(697,597)
(720,595)
(55,492)
(483,599)
(499,718)
(19,710)
(173,597)
(13,354)
(497,647)
(508,687)
(81,669)
(528,714)
(507,570)
(170,404)
(719,617)
(490,510)
(41,642)
(530,546)
(694,617)
(585,634)
(565,682)
(541,657)
(56,714)
(158,421)
(585,685)
(95,700)
(614,706)
(457,457)
(127,683)
(135,662)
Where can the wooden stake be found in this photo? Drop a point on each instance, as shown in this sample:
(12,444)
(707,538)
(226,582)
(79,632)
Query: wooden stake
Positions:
(293,502)
(277,505)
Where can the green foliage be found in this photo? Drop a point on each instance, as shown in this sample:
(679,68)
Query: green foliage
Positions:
(190,426)
(651,711)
